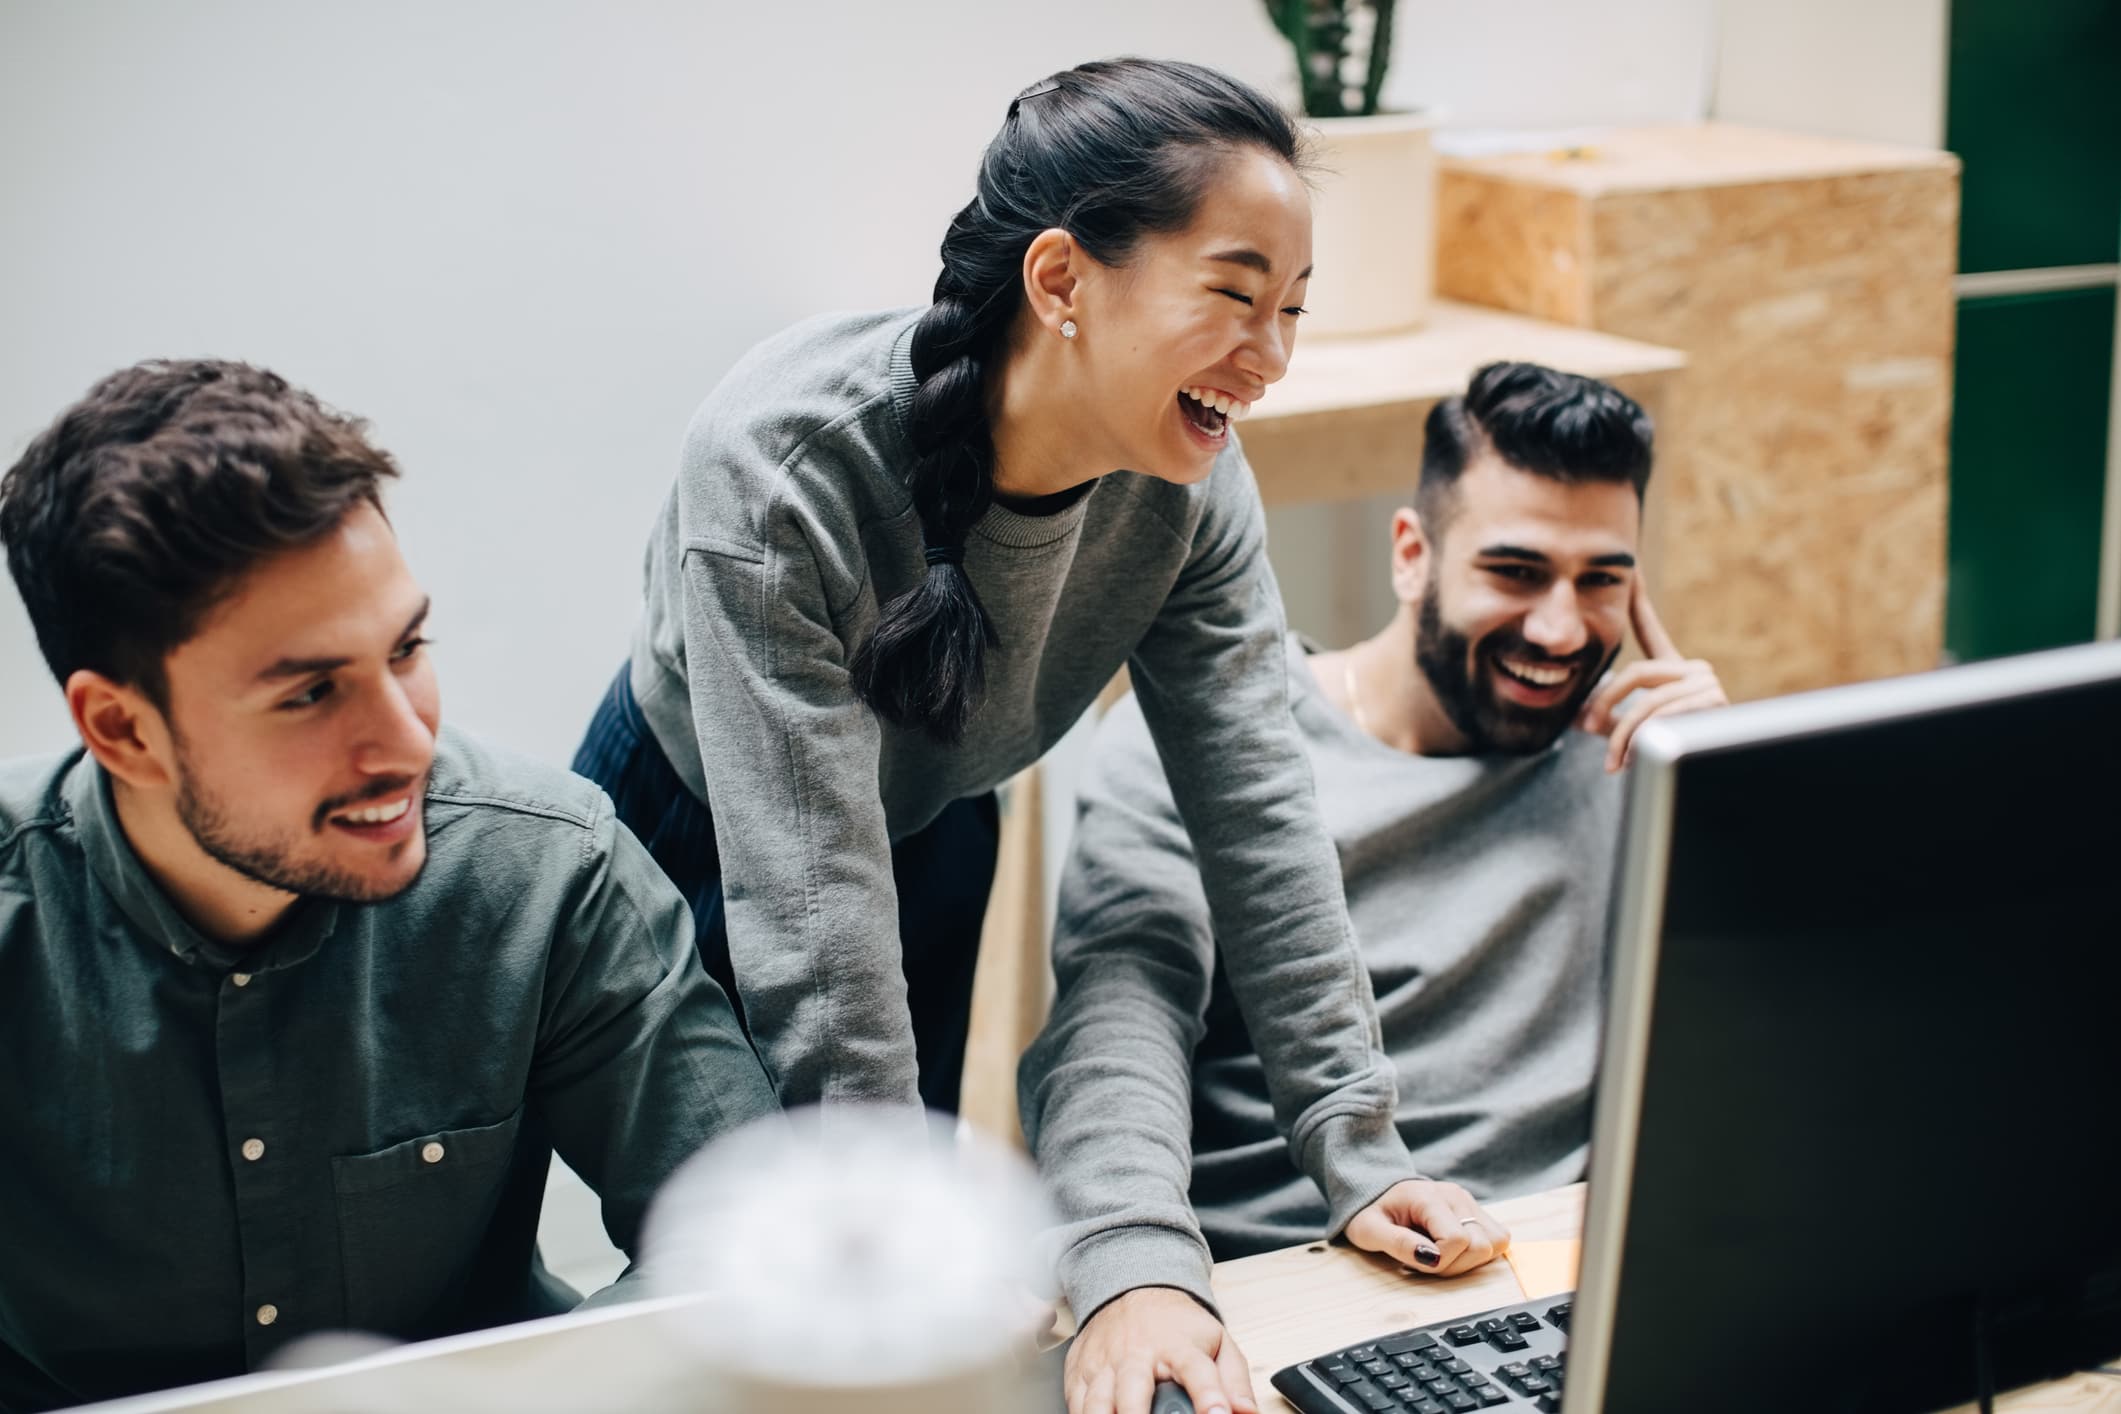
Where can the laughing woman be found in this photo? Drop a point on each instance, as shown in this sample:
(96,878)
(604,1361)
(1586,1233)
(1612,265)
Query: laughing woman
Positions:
(904,553)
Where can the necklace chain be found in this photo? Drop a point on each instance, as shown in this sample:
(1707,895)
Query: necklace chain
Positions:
(1347,681)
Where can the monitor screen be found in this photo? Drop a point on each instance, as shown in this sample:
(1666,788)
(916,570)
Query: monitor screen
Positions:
(1856,1130)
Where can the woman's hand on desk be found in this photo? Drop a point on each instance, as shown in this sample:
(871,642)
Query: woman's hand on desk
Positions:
(1435,1228)
(1156,1333)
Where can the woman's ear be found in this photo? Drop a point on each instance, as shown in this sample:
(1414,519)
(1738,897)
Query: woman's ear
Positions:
(1052,279)
(120,727)
(1411,554)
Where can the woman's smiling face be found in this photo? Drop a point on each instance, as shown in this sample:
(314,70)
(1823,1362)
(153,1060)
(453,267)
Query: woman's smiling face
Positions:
(1198,323)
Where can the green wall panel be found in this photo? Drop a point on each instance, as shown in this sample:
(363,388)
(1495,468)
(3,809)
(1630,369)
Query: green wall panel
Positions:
(2033,107)
(2029,413)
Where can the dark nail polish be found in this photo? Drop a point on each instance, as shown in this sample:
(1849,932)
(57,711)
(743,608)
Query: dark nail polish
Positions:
(1425,1255)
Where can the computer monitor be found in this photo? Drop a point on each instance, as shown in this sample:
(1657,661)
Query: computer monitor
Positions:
(1856,1143)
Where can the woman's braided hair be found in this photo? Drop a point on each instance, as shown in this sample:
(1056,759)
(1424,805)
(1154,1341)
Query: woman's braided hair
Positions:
(1109,152)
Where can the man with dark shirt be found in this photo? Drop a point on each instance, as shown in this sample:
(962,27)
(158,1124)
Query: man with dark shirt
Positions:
(302,990)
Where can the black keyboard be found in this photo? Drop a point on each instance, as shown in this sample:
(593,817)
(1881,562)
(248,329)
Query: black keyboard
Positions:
(1512,1358)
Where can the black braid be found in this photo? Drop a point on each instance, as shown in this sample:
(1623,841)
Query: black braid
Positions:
(926,660)
(1110,152)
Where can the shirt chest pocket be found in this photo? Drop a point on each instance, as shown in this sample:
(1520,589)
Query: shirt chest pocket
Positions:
(415,1222)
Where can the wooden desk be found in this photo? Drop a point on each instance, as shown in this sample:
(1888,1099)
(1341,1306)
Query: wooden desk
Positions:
(1291,1305)
(1284,1306)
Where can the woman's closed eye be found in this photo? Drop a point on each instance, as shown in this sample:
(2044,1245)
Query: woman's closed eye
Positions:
(1246,300)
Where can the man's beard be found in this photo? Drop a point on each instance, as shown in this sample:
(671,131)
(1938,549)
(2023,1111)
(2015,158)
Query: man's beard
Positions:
(273,860)
(1460,674)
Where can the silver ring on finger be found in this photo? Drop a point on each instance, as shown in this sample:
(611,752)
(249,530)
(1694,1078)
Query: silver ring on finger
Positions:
(1469,1222)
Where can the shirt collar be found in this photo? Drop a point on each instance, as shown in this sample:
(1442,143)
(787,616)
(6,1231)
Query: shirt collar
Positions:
(154,918)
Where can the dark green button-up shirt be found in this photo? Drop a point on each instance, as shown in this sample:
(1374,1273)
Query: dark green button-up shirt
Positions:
(212,1150)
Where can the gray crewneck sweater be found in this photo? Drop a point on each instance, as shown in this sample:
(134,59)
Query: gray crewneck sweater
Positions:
(789,524)
(1478,890)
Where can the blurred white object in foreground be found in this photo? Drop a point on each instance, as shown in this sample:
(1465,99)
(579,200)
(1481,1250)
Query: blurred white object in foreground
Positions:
(856,1254)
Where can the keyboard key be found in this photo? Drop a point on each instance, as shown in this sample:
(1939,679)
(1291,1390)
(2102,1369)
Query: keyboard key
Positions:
(1490,1396)
(1548,1404)
(1362,1353)
(1376,1367)
(1428,1406)
(1533,1384)
(1420,1369)
(1507,1341)
(1472,1379)
(1491,1325)
(1460,1402)
(1545,1363)
(1454,1366)
(1525,1321)
(1394,1382)
(1515,1370)
(1401,1344)
(1439,1386)
(1462,1335)
(1341,1374)
(1408,1360)
(1558,1315)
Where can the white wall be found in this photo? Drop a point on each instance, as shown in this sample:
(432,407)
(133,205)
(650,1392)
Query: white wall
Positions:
(1552,63)
(524,238)
(1873,69)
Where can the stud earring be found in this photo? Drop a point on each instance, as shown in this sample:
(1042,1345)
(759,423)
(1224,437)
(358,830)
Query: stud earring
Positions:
(1067,328)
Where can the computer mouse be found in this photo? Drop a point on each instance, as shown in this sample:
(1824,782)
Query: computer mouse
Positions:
(1170,1399)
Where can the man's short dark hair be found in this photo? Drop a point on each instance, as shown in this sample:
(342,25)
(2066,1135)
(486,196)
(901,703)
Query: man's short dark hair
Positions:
(141,508)
(1558,425)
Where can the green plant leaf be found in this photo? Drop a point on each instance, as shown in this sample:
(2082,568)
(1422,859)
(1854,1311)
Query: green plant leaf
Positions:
(1321,35)
(1373,84)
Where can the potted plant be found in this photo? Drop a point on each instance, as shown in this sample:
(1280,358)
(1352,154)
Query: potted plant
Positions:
(1374,212)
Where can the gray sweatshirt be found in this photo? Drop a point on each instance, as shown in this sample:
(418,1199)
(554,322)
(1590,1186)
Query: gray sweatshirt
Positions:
(789,524)
(1478,889)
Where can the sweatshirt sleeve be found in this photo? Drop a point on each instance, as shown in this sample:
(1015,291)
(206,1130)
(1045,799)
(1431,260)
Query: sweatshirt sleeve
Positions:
(790,755)
(1105,1090)
(1213,678)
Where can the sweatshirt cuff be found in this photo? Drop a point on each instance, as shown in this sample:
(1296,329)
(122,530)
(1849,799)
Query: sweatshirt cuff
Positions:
(1354,1158)
(1114,1262)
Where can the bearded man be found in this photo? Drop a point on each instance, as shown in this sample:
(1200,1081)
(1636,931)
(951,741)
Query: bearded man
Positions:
(302,989)
(1467,761)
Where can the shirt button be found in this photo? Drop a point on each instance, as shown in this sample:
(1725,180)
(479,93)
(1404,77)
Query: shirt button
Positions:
(254,1149)
(431,1152)
(268,1313)
(241,979)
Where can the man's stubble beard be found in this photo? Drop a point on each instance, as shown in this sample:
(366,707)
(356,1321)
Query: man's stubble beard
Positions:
(1456,672)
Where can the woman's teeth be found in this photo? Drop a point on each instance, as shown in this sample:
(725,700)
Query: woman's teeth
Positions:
(377,814)
(1535,674)
(1222,402)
